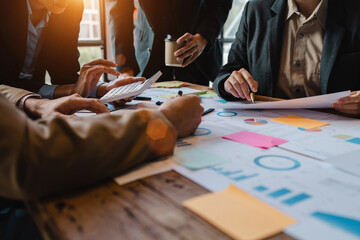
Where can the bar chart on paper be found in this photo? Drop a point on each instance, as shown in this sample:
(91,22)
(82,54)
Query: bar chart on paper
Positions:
(287,182)
(237,175)
(276,163)
(290,199)
(347,224)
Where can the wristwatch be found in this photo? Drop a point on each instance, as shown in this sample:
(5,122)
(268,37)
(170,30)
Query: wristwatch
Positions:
(22,101)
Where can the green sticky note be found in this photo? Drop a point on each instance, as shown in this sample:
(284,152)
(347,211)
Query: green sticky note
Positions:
(208,95)
(195,158)
(342,136)
(172,84)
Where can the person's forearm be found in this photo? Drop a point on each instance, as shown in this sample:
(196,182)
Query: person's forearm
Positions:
(14,95)
(31,107)
(121,24)
(215,15)
(55,155)
(64,90)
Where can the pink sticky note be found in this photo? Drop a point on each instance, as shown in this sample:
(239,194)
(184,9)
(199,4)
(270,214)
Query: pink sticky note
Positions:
(255,139)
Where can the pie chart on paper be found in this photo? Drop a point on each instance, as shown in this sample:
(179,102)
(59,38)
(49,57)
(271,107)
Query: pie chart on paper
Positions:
(253,121)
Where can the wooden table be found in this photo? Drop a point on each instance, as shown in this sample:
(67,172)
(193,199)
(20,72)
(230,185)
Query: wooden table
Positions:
(150,208)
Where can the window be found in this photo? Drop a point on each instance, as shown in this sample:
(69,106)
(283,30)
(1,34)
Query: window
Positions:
(231,26)
(92,32)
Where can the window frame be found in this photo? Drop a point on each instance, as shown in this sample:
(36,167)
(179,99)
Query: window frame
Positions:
(102,41)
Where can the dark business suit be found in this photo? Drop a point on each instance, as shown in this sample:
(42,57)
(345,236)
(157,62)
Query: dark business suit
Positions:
(58,56)
(156,19)
(258,42)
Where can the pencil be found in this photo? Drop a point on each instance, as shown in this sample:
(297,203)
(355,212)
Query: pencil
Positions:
(252,96)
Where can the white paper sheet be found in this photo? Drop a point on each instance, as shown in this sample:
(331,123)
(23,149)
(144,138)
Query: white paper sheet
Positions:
(349,162)
(146,170)
(321,101)
(328,189)
(294,184)
(320,143)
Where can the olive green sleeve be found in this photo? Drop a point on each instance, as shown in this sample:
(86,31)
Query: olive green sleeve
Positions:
(14,95)
(44,157)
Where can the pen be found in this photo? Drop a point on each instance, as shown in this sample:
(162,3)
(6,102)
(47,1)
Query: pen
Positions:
(143,98)
(209,110)
(194,93)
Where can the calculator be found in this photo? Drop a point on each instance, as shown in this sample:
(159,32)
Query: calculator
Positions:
(130,90)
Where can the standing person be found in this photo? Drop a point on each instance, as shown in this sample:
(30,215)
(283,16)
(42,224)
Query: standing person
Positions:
(42,35)
(295,48)
(196,22)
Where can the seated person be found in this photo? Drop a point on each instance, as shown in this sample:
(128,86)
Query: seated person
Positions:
(42,35)
(293,48)
(56,154)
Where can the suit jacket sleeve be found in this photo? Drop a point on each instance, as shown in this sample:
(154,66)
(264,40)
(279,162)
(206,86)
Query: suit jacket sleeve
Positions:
(237,58)
(45,157)
(213,19)
(14,95)
(60,49)
(122,26)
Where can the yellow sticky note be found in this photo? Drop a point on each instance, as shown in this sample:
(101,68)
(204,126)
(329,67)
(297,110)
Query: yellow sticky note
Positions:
(299,122)
(172,84)
(169,96)
(239,214)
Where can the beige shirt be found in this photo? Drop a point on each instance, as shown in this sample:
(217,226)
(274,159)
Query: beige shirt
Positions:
(303,38)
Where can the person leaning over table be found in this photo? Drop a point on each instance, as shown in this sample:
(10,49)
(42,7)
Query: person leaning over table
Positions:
(56,154)
(140,50)
(295,48)
(42,35)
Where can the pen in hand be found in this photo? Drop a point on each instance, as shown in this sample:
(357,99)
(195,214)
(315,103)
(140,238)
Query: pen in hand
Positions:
(180,93)
(209,110)
(252,96)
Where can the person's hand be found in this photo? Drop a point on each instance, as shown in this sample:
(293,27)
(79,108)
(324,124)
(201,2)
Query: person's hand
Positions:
(106,87)
(127,72)
(195,45)
(63,107)
(238,84)
(349,105)
(121,59)
(90,74)
(184,113)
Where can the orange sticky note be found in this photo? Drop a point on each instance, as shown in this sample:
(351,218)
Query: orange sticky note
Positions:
(299,122)
(239,215)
